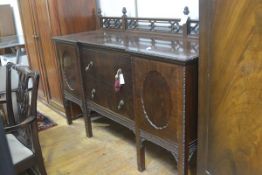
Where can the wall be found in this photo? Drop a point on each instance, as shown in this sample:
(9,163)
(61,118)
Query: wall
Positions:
(141,8)
(14,4)
(149,8)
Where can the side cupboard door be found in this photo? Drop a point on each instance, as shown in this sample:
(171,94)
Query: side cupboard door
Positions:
(230,88)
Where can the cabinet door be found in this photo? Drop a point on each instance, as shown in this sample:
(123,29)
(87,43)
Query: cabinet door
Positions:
(69,67)
(158,97)
(101,66)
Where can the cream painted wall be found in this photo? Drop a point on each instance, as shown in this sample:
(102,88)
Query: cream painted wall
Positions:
(150,8)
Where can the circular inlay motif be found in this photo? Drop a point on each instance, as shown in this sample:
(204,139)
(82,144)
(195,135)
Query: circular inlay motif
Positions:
(156,100)
(68,71)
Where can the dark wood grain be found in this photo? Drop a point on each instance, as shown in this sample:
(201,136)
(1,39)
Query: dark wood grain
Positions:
(68,16)
(156,104)
(230,124)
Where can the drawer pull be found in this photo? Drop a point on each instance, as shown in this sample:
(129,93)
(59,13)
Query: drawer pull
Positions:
(120,104)
(119,80)
(93,92)
(91,63)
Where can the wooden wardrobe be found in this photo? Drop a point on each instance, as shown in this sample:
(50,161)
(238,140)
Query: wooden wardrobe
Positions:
(43,19)
(230,88)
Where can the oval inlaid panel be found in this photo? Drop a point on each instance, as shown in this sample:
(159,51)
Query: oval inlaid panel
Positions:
(68,65)
(156,100)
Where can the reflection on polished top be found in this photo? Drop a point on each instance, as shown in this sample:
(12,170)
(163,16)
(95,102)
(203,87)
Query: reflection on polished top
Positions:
(171,48)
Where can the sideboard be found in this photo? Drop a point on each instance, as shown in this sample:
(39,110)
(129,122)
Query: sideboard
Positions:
(146,81)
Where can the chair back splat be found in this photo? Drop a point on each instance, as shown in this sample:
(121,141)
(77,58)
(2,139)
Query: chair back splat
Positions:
(25,98)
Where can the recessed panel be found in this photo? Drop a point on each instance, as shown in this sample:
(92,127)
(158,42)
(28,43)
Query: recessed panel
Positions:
(156,100)
(68,70)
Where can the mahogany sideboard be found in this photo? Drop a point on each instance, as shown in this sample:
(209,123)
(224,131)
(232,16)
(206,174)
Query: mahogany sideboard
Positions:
(146,82)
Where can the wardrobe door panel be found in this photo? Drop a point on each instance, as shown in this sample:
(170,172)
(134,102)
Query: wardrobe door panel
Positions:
(48,52)
(32,45)
(73,16)
(230,105)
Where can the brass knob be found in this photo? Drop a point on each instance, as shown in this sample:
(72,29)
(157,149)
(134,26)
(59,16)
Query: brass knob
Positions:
(120,104)
(93,92)
(91,63)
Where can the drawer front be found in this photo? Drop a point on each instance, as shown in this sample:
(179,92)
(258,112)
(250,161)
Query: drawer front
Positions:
(69,66)
(158,97)
(100,68)
(96,92)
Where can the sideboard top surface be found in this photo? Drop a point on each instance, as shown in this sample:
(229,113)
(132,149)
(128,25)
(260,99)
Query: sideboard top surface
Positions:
(172,48)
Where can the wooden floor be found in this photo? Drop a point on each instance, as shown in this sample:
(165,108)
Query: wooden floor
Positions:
(111,151)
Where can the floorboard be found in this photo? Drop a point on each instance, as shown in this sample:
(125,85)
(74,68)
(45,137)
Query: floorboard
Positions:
(111,151)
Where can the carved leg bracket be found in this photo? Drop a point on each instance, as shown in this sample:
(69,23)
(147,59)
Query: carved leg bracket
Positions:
(175,154)
(192,150)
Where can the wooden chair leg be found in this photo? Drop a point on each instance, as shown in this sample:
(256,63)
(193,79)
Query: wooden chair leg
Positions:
(140,148)
(38,151)
(41,166)
(88,123)
(32,171)
(67,106)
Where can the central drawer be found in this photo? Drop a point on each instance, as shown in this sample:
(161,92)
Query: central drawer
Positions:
(99,69)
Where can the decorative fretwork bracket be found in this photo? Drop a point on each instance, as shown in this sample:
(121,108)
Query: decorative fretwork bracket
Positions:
(159,25)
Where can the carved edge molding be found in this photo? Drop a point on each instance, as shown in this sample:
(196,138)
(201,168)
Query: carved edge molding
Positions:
(169,146)
(183,137)
(159,25)
(111,115)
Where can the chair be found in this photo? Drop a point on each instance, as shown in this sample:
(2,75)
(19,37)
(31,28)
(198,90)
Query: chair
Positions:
(21,132)
(6,166)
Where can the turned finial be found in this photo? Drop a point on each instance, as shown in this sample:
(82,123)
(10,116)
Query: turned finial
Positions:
(124,19)
(99,21)
(186,10)
(186,24)
(124,11)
